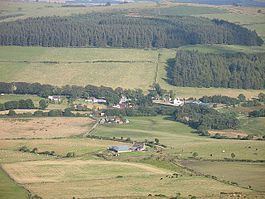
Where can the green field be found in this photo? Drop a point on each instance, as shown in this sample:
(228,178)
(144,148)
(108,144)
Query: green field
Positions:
(247,17)
(182,10)
(29,9)
(16,97)
(242,173)
(181,141)
(68,177)
(9,189)
(127,68)
(224,49)
(88,175)
(253,126)
(11,97)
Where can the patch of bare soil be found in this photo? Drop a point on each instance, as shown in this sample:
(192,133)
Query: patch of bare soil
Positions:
(229,133)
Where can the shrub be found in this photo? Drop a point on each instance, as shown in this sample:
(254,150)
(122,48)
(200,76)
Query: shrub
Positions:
(55,113)
(38,113)
(195,154)
(11,113)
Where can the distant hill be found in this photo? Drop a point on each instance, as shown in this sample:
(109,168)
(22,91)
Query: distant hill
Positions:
(227,2)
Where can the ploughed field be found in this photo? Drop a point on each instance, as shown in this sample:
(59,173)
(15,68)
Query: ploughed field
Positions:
(43,127)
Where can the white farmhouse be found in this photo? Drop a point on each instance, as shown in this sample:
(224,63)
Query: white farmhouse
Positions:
(178,102)
(55,98)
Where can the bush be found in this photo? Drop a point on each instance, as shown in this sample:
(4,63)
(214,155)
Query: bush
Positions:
(24,149)
(70,154)
(195,154)
(38,113)
(67,112)
(55,113)
(43,104)
(11,113)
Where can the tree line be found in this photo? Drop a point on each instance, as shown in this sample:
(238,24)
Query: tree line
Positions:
(219,99)
(203,118)
(112,96)
(20,104)
(191,68)
(118,30)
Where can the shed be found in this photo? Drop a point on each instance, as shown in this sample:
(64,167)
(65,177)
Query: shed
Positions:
(120,149)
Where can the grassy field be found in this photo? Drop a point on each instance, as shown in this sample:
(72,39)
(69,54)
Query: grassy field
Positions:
(87,175)
(253,126)
(248,17)
(9,189)
(244,174)
(81,147)
(102,180)
(43,127)
(181,141)
(182,10)
(227,49)
(11,97)
(127,68)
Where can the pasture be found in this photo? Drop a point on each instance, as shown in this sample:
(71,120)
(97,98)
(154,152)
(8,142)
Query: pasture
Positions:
(58,177)
(16,97)
(81,147)
(12,97)
(105,178)
(43,127)
(126,68)
(9,189)
(21,10)
(249,17)
(244,174)
(182,10)
(224,49)
(253,126)
(181,141)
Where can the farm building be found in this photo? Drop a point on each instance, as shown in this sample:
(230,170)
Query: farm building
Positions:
(137,146)
(178,102)
(55,98)
(113,120)
(96,100)
(120,149)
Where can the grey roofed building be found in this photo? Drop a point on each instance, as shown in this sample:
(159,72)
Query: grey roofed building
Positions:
(120,149)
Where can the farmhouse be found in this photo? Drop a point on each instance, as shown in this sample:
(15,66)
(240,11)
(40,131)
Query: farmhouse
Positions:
(178,102)
(123,103)
(113,120)
(138,146)
(55,98)
(80,107)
